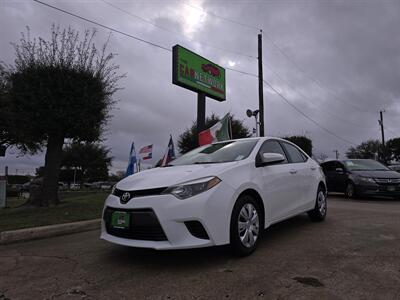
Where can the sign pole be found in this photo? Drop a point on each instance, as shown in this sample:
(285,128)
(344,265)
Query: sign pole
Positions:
(201,112)
(260,84)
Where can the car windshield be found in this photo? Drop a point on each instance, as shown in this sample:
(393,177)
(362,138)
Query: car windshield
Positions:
(365,165)
(217,153)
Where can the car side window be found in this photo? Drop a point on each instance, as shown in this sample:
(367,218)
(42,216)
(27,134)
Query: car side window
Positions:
(294,153)
(272,146)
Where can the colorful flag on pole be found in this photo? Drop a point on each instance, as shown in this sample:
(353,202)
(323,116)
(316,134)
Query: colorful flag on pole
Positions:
(219,132)
(169,154)
(132,161)
(146,152)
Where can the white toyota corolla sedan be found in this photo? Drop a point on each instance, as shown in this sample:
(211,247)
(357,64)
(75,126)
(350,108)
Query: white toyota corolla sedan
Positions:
(222,193)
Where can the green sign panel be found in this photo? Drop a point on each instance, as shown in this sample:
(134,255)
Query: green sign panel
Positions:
(198,74)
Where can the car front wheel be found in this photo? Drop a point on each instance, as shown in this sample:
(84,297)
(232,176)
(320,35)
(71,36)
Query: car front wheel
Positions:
(318,213)
(246,226)
(350,191)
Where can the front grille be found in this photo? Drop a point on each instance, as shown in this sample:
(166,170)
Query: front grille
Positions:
(144,225)
(197,229)
(387,181)
(138,193)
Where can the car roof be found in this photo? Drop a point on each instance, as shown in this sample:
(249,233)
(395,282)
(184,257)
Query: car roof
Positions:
(357,159)
(264,138)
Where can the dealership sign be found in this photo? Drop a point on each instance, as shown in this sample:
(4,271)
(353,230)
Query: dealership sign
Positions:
(198,74)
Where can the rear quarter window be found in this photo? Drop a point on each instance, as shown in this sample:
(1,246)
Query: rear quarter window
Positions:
(295,155)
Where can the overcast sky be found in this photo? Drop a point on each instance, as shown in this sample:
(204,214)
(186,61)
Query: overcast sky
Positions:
(341,57)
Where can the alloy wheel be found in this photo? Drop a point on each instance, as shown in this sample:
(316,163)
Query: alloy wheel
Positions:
(248,225)
(350,190)
(321,202)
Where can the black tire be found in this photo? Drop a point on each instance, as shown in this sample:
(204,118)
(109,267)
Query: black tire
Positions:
(318,213)
(350,191)
(238,238)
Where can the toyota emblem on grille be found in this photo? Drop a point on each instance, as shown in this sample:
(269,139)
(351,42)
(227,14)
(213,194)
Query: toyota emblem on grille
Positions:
(125,197)
(389,180)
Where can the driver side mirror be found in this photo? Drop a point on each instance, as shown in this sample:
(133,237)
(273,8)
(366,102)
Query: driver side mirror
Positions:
(270,159)
(339,171)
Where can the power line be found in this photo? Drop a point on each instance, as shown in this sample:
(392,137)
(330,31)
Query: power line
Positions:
(169,50)
(315,81)
(306,98)
(176,33)
(306,116)
(223,18)
(391,131)
(104,26)
(276,46)
(242,72)
(126,34)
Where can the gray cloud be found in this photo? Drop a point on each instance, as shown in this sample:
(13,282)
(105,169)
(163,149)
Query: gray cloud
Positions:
(350,48)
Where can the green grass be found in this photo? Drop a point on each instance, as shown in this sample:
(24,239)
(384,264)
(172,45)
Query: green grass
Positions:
(74,206)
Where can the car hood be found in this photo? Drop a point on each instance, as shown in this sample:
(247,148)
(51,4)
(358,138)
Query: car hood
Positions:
(167,176)
(378,174)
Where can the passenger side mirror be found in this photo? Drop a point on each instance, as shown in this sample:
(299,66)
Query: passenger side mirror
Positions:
(339,171)
(271,158)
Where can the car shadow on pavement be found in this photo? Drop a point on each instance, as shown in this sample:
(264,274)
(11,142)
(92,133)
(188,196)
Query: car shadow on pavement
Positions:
(202,257)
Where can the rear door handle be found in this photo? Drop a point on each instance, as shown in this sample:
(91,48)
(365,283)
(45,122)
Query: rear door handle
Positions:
(293,171)
(313,168)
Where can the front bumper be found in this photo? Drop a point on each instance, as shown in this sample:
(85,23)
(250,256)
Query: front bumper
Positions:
(211,209)
(378,190)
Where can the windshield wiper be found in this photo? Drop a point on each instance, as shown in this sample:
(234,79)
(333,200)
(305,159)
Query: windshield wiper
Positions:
(204,162)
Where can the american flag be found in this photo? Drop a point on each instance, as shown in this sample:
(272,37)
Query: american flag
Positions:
(146,151)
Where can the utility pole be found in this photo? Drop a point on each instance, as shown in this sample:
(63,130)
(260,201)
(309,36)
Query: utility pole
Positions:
(336,153)
(383,135)
(260,84)
(382,128)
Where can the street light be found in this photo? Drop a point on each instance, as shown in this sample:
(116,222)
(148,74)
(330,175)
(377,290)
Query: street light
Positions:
(254,114)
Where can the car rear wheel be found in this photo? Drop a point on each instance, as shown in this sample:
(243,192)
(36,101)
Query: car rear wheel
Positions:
(318,213)
(350,191)
(246,227)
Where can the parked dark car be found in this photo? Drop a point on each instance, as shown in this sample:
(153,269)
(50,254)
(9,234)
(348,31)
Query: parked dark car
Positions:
(356,177)
(395,168)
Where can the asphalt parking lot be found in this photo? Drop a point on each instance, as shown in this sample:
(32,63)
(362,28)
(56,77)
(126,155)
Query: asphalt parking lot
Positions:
(354,254)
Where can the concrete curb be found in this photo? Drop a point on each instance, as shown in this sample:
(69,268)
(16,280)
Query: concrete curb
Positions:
(13,236)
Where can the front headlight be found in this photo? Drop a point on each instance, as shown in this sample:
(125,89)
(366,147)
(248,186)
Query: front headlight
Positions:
(367,179)
(113,189)
(191,188)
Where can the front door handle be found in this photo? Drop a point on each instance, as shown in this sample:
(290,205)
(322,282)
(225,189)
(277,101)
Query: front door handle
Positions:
(293,171)
(313,168)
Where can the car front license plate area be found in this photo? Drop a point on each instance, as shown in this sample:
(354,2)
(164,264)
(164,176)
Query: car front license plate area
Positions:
(120,219)
(391,188)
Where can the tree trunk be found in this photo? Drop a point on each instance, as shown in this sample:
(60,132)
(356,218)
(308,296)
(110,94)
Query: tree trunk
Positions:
(49,191)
